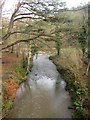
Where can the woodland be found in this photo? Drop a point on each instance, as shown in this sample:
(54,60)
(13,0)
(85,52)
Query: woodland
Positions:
(47,27)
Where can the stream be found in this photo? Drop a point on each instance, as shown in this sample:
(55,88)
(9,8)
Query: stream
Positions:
(43,95)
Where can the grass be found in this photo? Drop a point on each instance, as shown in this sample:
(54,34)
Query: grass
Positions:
(71,66)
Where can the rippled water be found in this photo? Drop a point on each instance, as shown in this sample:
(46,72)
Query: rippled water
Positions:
(43,95)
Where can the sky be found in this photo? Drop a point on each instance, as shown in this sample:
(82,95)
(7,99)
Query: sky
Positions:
(10,5)
(75,3)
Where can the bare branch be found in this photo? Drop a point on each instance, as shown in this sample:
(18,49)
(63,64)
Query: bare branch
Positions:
(25,14)
(13,15)
(6,36)
(14,43)
(24,17)
(19,41)
(11,33)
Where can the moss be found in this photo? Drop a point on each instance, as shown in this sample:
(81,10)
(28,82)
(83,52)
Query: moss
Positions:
(20,73)
(8,106)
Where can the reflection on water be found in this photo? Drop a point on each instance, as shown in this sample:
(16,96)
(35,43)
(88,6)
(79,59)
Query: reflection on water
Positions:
(43,95)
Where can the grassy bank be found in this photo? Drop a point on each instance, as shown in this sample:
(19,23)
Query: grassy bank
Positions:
(12,78)
(72,69)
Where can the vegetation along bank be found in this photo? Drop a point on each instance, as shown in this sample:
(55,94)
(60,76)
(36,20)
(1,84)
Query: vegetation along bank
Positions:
(73,71)
(13,74)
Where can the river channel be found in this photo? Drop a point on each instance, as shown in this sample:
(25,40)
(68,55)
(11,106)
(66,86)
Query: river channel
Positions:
(43,95)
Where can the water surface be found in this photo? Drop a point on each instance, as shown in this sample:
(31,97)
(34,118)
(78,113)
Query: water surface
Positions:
(43,95)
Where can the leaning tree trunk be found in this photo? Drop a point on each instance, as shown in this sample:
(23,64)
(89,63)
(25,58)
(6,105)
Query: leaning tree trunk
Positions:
(29,57)
(88,67)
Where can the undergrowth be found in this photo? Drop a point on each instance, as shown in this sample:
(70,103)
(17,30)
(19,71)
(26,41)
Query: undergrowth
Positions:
(11,85)
(79,95)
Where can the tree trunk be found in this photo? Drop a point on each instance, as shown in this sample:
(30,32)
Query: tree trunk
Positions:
(12,49)
(58,52)
(29,58)
(23,59)
(88,67)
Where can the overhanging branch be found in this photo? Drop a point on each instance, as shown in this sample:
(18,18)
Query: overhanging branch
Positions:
(19,41)
(24,17)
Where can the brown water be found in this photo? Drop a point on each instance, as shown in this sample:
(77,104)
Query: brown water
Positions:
(43,95)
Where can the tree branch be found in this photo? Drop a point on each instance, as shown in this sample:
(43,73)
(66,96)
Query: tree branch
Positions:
(24,17)
(19,41)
